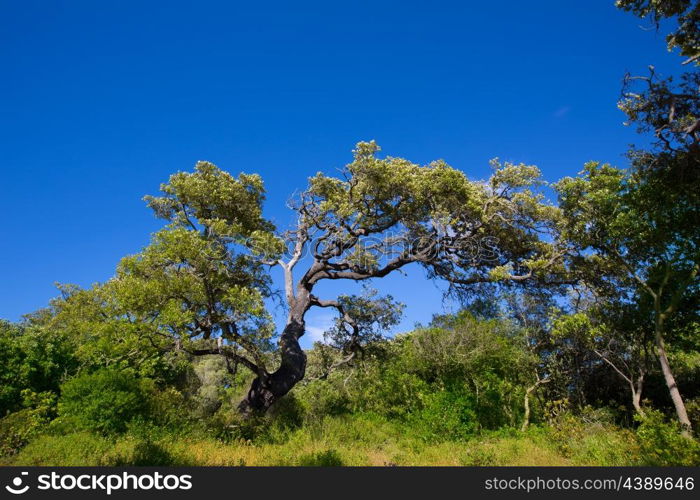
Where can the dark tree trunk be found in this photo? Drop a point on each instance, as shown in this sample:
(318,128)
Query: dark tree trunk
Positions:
(268,388)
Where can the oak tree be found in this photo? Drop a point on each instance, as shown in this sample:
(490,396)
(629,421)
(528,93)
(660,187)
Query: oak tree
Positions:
(204,279)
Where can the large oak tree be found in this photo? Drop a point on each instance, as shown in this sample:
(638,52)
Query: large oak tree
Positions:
(203,281)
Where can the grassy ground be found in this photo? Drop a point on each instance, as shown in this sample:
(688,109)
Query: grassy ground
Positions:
(354,441)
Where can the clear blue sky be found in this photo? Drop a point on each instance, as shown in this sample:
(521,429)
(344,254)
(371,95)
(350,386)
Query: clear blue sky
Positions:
(101,101)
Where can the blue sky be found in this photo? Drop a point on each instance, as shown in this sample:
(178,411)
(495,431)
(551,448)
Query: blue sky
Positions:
(101,101)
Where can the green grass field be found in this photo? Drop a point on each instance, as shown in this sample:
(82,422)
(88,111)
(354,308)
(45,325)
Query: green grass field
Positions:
(361,440)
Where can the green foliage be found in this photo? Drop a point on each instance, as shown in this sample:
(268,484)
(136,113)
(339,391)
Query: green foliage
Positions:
(365,319)
(446,416)
(32,359)
(105,401)
(328,458)
(211,380)
(202,277)
(76,449)
(359,439)
(449,393)
(324,399)
(460,230)
(96,333)
(661,442)
(451,380)
(136,450)
(590,437)
(158,348)
(169,408)
(16,429)
(12,359)
(385,390)
(88,449)
(636,232)
(213,198)
(686,14)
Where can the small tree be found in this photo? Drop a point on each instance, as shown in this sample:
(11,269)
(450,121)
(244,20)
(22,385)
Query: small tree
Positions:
(640,244)
(362,321)
(624,352)
(643,225)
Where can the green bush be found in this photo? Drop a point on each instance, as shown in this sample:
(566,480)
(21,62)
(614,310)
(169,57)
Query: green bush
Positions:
(446,416)
(228,425)
(661,442)
(105,401)
(692,406)
(386,390)
(33,360)
(169,409)
(588,437)
(16,429)
(322,398)
(77,449)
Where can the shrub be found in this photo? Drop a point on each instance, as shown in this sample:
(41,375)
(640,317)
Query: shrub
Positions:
(31,359)
(693,408)
(590,438)
(77,449)
(287,413)
(321,398)
(387,391)
(661,442)
(446,415)
(105,401)
(17,428)
(169,409)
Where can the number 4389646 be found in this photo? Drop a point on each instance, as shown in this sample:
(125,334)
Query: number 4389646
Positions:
(659,483)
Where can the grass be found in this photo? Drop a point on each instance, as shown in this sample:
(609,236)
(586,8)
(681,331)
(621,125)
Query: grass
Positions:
(333,441)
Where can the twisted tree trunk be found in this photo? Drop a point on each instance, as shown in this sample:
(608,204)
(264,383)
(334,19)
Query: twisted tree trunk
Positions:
(267,388)
(526,402)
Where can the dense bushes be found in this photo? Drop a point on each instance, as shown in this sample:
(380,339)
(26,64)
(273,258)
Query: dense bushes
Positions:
(105,402)
(450,382)
(451,393)
(32,360)
(16,429)
(446,416)
(662,443)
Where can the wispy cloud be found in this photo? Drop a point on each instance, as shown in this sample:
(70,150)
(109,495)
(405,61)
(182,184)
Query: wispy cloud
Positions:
(561,112)
(316,326)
